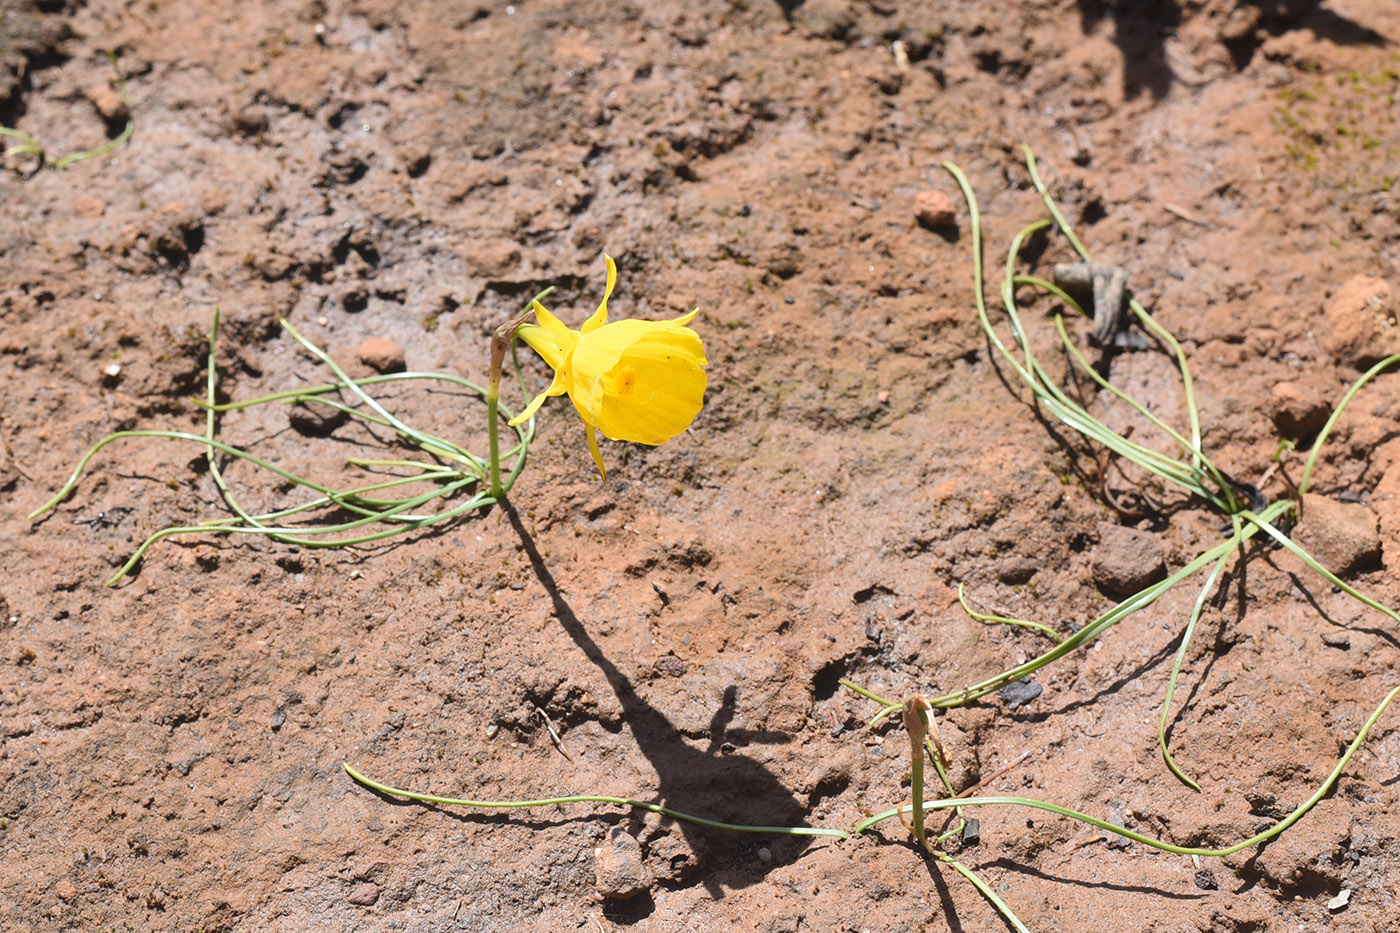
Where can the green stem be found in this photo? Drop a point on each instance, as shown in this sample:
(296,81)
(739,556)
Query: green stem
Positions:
(1366,377)
(986,891)
(493,398)
(1199,459)
(1263,522)
(1254,840)
(1181,656)
(590,798)
(1115,615)
(1041,627)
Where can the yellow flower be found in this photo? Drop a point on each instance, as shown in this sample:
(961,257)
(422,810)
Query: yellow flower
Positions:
(641,381)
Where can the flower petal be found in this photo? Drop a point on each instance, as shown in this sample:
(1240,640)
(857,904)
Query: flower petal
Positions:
(555,388)
(639,381)
(600,317)
(551,338)
(593,449)
(656,390)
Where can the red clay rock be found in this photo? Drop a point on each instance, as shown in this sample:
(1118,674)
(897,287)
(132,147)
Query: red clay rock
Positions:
(1342,536)
(1127,559)
(382,355)
(1361,320)
(934,209)
(619,870)
(1296,411)
(108,103)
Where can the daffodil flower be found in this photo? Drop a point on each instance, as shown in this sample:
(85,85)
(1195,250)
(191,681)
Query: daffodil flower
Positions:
(640,381)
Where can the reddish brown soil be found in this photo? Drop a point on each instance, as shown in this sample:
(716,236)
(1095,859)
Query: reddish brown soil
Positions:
(170,749)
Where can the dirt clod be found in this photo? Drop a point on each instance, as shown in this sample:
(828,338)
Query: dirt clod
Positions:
(1342,536)
(934,209)
(364,895)
(315,420)
(618,867)
(88,206)
(382,355)
(1296,412)
(1361,320)
(1126,559)
(108,104)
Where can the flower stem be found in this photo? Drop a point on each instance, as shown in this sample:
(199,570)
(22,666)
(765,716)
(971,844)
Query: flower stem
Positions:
(500,343)
(493,399)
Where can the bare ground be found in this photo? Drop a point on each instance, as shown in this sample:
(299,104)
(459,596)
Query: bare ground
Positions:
(170,749)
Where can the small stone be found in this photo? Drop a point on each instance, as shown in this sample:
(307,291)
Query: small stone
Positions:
(1295,412)
(310,420)
(618,869)
(972,833)
(65,890)
(279,719)
(1205,880)
(933,209)
(1337,640)
(364,895)
(111,374)
(1127,560)
(1361,318)
(1020,693)
(1017,570)
(87,206)
(765,855)
(251,120)
(1115,816)
(1341,900)
(1342,536)
(108,104)
(382,355)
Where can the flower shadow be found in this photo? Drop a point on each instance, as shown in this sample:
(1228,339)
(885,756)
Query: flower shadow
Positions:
(717,782)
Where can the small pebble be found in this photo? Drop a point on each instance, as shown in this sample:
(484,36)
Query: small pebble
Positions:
(1020,693)
(1341,900)
(1336,640)
(364,895)
(382,355)
(972,833)
(315,420)
(765,855)
(1127,560)
(1115,816)
(932,209)
(88,206)
(1296,412)
(108,104)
